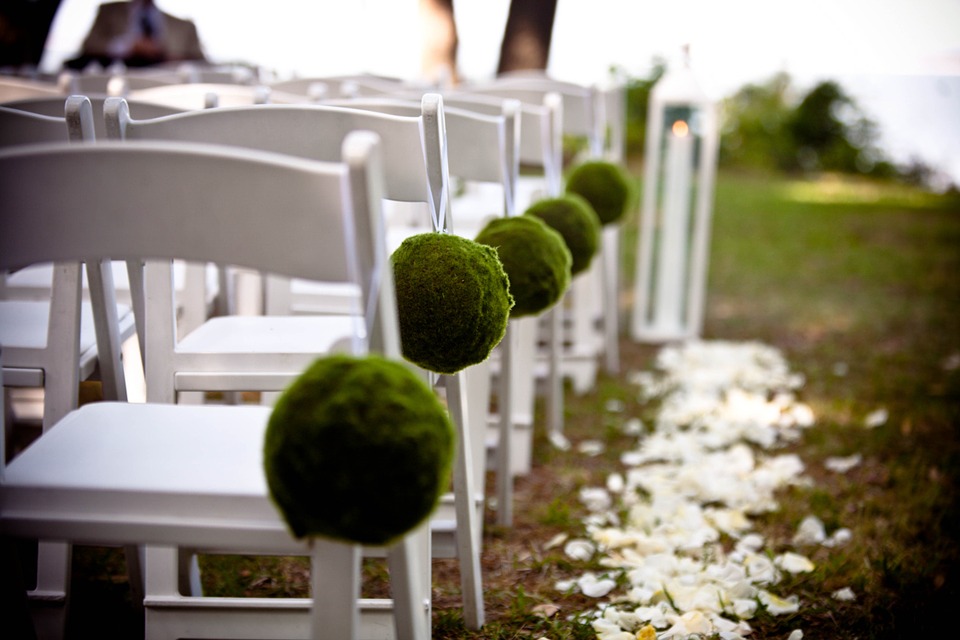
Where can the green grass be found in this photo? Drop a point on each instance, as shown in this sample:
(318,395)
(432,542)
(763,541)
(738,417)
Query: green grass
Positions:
(858,284)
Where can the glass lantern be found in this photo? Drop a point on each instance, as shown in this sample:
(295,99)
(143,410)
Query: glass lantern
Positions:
(673,242)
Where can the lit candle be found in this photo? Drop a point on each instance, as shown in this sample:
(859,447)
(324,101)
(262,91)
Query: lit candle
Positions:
(671,274)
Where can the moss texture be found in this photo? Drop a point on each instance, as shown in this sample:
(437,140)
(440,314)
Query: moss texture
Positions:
(357,449)
(574,218)
(453,301)
(605,185)
(535,258)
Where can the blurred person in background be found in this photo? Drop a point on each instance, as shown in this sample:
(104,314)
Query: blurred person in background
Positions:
(137,33)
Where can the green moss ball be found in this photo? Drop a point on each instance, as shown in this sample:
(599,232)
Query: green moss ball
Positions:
(604,185)
(535,258)
(575,220)
(357,449)
(453,300)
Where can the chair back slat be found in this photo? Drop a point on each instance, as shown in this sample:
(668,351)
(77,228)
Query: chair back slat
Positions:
(308,131)
(153,200)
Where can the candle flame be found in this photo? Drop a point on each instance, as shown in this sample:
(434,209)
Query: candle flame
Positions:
(680,129)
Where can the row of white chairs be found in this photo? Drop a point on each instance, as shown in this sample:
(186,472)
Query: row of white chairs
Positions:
(407,181)
(124,127)
(164,475)
(405,144)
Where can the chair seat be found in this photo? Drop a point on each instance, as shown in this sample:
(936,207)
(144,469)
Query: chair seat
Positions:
(271,334)
(34,281)
(188,475)
(24,326)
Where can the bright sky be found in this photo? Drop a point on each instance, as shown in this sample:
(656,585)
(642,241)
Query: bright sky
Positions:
(732,41)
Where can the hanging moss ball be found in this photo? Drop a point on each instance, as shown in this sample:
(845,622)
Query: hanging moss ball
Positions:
(453,300)
(605,185)
(575,220)
(357,449)
(535,258)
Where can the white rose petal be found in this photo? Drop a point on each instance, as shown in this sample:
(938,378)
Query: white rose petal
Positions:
(794,563)
(615,483)
(595,587)
(845,595)
(555,541)
(876,418)
(810,531)
(595,498)
(839,538)
(633,427)
(842,465)
(778,606)
(590,447)
(579,550)
(615,406)
(796,634)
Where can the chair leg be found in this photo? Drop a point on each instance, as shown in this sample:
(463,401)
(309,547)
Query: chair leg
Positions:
(554,393)
(468,540)
(410,583)
(49,599)
(611,291)
(504,474)
(335,578)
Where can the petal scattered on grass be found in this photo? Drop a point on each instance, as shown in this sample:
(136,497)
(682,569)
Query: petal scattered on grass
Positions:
(844,595)
(594,586)
(701,471)
(876,419)
(590,448)
(555,541)
(842,465)
(810,531)
(794,563)
(581,550)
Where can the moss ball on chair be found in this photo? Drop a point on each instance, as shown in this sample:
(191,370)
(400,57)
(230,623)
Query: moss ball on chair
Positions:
(357,449)
(453,301)
(535,258)
(605,185)
(574,218)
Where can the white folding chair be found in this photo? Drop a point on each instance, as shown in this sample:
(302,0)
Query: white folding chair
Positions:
(415,171)
(593,303)
(483,153)
(164,475)
(42,350)
(539,150)
(37,344)
(197,286)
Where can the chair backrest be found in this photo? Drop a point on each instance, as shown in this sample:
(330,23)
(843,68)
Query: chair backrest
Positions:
(343,86)
(73,119)
(161,200)
(581,107)
(202,95)
(480,147)
(541,135)
(61,350)
(414,148)
(54,106)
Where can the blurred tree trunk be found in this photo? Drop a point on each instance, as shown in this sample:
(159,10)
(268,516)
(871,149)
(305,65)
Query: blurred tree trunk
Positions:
(526,37)
(439,54)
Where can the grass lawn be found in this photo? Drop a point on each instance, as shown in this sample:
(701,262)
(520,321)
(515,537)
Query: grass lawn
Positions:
(858,284)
